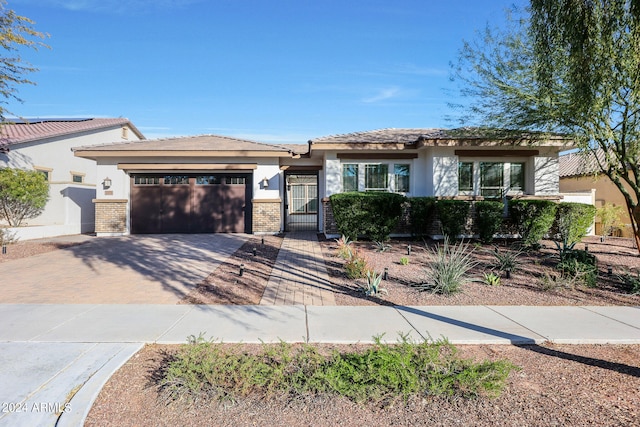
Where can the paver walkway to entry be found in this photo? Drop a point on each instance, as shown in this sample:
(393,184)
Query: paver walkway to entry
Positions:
(299,276)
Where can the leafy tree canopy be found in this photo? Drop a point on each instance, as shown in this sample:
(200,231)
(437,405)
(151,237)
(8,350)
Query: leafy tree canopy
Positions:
(564,66)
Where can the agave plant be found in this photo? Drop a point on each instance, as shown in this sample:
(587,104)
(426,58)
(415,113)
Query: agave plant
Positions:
(373,284)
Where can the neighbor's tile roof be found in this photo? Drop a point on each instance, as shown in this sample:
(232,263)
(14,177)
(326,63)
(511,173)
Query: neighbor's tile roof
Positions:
(579,164)
(34,129)
(188,143)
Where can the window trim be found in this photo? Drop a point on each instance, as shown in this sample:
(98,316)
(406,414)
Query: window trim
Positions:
(45,171)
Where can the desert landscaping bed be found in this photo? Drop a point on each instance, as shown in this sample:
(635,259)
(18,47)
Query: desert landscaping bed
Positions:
(526,286)
(555,385)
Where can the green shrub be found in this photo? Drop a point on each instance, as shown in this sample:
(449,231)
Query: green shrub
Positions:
(489,219)
(453,216)
(422,214)
(631,281)
(204,371)
(370,214)
(491,279)
(23,195)
(571,224)
(609,215)
(579,267)
(447,268)
(532,219)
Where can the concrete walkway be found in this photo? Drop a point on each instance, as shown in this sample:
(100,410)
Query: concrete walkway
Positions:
(48,352)
(299,276)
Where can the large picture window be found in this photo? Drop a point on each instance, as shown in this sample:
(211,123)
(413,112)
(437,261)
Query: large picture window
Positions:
(495,178)
(376,177)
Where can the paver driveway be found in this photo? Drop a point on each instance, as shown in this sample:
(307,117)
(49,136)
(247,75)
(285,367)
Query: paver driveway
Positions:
(140,269)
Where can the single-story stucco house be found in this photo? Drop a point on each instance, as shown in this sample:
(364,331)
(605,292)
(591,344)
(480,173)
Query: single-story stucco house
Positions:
(44,145)
(209,183)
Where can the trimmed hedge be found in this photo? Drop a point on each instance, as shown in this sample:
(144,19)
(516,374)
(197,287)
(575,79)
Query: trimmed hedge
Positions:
(489,219)
(453,216)
(371,214)
(532,219)
(422,214)
(572,222)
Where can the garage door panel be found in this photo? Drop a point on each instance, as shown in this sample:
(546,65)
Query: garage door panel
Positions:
(146,208)
(176,208)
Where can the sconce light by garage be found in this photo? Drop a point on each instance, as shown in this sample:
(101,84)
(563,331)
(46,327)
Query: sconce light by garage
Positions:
(106,183)
(265,182)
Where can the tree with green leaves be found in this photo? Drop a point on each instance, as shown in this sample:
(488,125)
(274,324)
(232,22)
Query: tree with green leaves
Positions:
(23,195)
(569,67)
(16,32)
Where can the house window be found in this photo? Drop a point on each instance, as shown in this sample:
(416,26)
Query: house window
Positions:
(491,179)
(46,172)
(349,177)
(516,176)
(207,180)
(401,178)
(465,176)
(176,180)
(235,180)
(376,177)
(146,180)
(77,178)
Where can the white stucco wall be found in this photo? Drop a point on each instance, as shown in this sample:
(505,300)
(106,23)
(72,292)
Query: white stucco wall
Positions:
(546,175)
(445,175)
(70,209)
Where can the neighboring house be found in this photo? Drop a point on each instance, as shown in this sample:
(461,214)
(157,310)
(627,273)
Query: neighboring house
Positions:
(46,145)
(209,183)
(580,172)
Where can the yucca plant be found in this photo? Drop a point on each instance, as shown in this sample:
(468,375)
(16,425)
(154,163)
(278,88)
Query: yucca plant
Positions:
(507,260)
(448,267)
(382,247)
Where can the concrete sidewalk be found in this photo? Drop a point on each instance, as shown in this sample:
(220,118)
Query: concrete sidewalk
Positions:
(48,352)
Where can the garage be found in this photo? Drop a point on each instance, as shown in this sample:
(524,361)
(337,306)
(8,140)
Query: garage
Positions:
(190,203)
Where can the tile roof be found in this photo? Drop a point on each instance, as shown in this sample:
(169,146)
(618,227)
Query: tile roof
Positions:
(38,128)
(414,135)
(579,164)
(188,143)
(388,135)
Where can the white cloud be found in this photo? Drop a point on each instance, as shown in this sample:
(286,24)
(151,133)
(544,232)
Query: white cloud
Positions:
(383,95)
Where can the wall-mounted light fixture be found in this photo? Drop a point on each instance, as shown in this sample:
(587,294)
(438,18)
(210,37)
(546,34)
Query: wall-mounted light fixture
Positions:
(265,182)
(106,183)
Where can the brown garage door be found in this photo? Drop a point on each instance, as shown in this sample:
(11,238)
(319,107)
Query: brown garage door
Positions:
(212,203)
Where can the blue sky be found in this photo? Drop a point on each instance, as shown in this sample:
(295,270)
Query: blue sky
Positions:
(281,71)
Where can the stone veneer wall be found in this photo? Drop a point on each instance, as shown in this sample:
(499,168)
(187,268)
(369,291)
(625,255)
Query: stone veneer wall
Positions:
(111,216)
(267,216)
